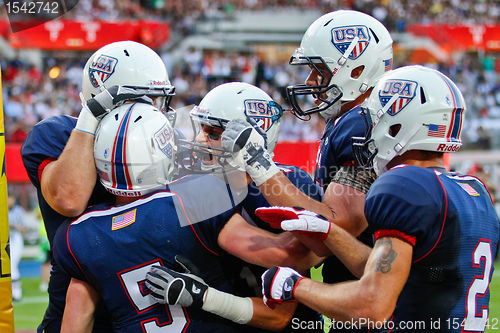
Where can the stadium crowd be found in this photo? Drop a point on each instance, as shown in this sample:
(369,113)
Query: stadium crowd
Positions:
(394,14)
(32,94)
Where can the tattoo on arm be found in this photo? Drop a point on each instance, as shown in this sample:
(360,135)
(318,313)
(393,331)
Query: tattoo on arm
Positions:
(387,255)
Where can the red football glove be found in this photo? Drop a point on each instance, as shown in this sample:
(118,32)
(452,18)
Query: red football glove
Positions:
(275,215)
(295,219)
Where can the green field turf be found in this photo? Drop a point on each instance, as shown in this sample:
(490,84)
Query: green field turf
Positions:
(495,300)
(28,313)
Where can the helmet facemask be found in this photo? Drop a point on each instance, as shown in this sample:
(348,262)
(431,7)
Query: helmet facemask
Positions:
(356,49)
(363,148)
(208,120)
(326,93)
(202,150)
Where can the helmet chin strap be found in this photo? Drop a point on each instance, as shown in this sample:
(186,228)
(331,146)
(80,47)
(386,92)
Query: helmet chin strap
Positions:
(342,60)
(333,111)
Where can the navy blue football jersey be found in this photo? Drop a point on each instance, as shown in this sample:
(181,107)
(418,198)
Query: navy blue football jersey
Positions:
(113,247)
(44,143)
(297,177)
(335,149)
(450,221)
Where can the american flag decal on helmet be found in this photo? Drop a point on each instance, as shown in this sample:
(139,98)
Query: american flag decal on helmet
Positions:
(388,65)
(343,36)
(262,112)
(437,131)
(404,88)
(104,66)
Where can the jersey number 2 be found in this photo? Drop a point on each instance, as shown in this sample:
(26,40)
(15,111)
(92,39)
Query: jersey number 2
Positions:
(476,319)
(174,319)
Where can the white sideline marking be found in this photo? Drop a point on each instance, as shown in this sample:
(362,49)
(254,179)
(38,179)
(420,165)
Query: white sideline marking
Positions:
(33,300)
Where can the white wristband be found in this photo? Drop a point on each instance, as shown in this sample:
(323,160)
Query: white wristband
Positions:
(260,175)
(86,122)
(234,308)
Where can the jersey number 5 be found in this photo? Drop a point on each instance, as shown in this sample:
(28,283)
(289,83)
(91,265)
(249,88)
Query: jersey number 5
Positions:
(173,319)
(476,319)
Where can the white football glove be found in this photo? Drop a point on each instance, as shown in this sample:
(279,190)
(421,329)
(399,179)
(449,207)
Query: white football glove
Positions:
(294,219)
(247,142)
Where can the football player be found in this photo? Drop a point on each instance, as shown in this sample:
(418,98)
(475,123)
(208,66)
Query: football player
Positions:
(109,249)
(238,100)
(435,231)
(58,152)
(347,51)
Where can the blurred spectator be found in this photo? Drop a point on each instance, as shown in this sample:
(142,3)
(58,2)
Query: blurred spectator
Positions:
(17,226)
(45,255)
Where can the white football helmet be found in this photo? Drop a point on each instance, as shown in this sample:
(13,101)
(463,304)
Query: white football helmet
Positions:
(411,108)
(342,40)
(130,64)
(134,150)
(238,100)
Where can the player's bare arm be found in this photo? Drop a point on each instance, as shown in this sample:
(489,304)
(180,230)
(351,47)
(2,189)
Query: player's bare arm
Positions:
(279,191)
(372,297)
(81,300)
(68,182)
(353,253)
(260,247)
(271,319)
(347,205)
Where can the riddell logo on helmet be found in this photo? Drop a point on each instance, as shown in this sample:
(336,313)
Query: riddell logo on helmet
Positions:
(335,70)
(124,193)
(157,83)
(448,147)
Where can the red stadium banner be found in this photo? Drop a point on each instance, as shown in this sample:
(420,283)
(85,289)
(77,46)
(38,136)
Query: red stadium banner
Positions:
(90,35)
(14,166)
(461,37)
(301,154)
(4,28)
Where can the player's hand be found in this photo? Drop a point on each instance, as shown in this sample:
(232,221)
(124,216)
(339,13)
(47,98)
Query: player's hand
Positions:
(176,288)
(294,219)
(108,99)
(278,285)
(94,109)
(247,142)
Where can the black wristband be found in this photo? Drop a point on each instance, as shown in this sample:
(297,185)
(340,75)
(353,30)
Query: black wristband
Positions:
(96,108)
